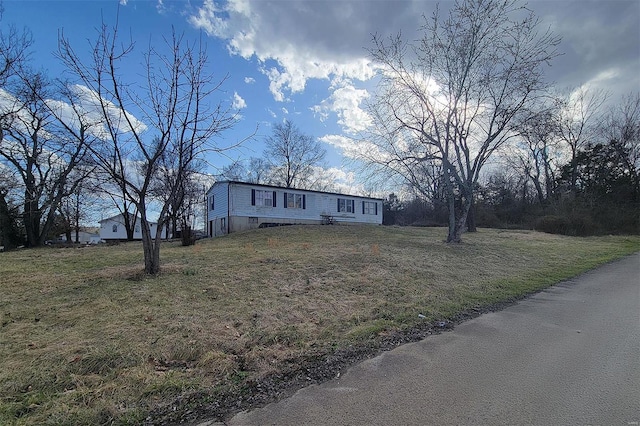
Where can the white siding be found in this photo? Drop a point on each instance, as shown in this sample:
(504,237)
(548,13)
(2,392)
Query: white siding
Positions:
(220,201)
(241,204)
(83,237)
(236,207)
(107,226)
(117,223)
(357,215)
(217,217)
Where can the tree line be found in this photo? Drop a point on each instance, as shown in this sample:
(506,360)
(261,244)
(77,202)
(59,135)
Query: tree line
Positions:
(573,169)
(464,120)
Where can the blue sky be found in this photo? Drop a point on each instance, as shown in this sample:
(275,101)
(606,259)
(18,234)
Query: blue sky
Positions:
(306,61)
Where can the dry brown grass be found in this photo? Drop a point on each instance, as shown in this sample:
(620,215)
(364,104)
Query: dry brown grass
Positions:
(85,338)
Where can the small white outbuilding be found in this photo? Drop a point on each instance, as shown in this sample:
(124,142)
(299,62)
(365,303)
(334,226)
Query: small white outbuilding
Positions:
(237,206)
(84,237)
(113,229)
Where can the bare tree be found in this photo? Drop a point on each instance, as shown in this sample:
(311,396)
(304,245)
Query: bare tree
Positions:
(14,52)
(14,49)
(258,170)
(622,124)
(10,229)
(113,194)
(292,155)
(236,171)
(254,170)
(75,209)
(183,200)
(40,145)
(578,112)
(453,95)
(178,120)
(534,155)
(621,129)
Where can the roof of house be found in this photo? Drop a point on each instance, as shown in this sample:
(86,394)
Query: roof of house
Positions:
(113,217)
(293,189)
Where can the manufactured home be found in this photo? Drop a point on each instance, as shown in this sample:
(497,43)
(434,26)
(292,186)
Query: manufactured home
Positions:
(113,229)
(238,206)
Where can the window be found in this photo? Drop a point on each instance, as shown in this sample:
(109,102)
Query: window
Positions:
(263,198)
(346,206)
(294,201)
(369,207)
(253,220)
(223,223)
(138,228)
(114,228)
(211,203)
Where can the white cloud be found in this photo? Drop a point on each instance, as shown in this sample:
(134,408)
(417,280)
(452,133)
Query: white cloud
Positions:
(342,176)
(305,40)
(345,182)
(87,109)
(238,102)
(338,141)
(345,102)
(350,148)
(604,78)
(160,7)
(9,104)
(285,111)
(90,103)
(210,19)
(334,179)
(294,41)
(249,80)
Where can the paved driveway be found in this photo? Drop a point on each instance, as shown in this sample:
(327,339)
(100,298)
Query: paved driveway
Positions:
(567,356)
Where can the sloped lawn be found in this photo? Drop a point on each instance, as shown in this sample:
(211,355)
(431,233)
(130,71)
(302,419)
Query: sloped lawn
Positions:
(85,338)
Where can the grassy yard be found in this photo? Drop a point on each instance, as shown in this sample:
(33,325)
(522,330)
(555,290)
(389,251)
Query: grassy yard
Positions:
(85,338)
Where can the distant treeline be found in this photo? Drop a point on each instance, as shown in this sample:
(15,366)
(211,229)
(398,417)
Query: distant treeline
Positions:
(598,192)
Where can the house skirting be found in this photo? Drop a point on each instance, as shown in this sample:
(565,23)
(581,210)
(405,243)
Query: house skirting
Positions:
(223,226)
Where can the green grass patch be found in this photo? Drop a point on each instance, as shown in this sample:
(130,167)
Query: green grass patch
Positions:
(86,338)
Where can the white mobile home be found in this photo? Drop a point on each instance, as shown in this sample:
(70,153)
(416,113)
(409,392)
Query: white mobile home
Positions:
(237,206)
(84,237)
(113,228)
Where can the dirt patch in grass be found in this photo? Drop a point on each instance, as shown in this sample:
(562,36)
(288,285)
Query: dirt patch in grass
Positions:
(242,320)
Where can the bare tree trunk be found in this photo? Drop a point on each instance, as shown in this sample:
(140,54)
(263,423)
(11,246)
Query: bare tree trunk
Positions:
(539,191)
(129,224)
(150,246)
(9,234)
(451,201)
(76,216)
(31,221)
(471,217)
(462,221)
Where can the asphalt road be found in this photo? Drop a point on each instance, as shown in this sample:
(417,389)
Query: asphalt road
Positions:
(567,356)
